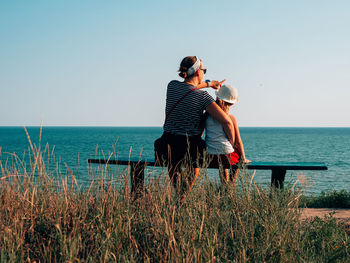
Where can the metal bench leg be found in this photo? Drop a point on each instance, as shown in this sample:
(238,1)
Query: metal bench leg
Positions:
(137,175)
(277,178)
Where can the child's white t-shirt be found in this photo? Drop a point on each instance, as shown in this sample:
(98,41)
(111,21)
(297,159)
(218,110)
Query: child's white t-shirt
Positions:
(215,137)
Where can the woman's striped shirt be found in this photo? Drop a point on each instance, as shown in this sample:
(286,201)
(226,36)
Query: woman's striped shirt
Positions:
(185,118)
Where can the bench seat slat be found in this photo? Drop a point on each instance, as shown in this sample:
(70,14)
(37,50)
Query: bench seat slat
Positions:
(288,165)
(252,166)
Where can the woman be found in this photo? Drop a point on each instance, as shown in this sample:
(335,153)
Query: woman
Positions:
(185,103)
(220,150)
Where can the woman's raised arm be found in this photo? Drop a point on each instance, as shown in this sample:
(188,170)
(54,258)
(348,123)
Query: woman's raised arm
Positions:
(215,84)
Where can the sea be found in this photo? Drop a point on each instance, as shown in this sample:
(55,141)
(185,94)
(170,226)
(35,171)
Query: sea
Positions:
(72,146)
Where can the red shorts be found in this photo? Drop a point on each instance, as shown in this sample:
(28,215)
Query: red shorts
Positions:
(226,160)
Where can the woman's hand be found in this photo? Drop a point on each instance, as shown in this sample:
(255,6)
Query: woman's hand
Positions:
(247,161)
(216,84)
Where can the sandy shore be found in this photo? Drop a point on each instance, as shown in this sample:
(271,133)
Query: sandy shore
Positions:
(341,214)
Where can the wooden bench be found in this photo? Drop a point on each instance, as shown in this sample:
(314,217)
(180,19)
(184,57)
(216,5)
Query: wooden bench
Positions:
(278,169)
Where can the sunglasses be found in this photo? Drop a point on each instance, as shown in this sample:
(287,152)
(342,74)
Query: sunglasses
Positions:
(204,70)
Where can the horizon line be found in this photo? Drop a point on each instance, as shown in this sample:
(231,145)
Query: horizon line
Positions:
(153,126)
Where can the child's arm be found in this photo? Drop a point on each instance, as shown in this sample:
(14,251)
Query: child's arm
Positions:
(238,140)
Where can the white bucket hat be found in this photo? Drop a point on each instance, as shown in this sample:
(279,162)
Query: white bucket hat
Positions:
(228,94)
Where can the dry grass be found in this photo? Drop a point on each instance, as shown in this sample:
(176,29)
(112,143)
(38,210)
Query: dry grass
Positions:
(46,217)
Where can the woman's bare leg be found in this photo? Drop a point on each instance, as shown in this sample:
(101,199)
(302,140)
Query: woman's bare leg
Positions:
(174,171)
(196,173)
(187,186)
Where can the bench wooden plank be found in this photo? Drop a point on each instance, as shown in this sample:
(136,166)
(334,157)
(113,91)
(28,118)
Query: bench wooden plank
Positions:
(288,165)
(251,166)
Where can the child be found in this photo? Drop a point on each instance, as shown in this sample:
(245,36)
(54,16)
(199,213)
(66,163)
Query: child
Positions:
(219,147)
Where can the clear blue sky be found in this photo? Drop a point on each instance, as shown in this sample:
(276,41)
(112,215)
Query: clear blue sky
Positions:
(107,63)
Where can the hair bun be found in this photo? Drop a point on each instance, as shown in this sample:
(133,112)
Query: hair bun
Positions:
(185,64)
(183,74)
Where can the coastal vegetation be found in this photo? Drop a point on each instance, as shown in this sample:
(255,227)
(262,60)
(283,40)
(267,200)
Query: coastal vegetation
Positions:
(47,217)
(329,199)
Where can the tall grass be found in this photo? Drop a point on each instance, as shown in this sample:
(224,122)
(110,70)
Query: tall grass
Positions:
(45,216)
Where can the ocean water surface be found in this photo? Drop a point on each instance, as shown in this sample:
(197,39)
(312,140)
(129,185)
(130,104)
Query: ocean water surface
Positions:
(74,145)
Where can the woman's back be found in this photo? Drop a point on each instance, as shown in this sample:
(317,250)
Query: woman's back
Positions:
(185,117)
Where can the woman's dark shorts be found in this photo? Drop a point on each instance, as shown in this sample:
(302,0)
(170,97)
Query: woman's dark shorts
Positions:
(185,149)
